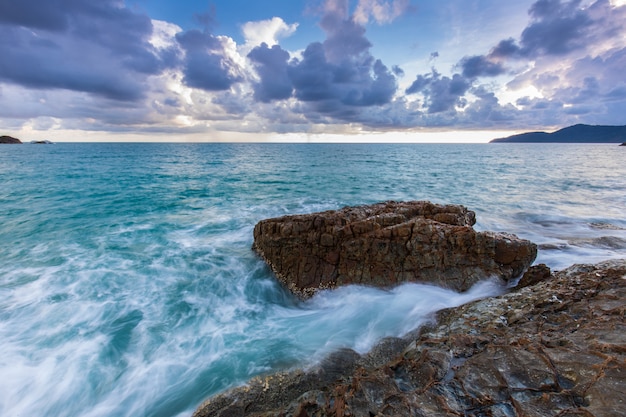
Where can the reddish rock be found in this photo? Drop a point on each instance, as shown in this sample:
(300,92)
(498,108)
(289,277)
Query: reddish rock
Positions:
(533,275)
(386,244)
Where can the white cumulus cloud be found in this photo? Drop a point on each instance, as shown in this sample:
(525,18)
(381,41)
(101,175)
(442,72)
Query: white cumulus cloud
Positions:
(268,31)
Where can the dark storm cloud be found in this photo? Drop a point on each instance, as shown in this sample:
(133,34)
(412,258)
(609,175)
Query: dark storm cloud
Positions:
(48,15)
(205,65)
(312,77)
(557,28)
(505,48)
(95,47)
(381,89)
(353,81)
(440,93)
(480,66)
(271,64)
(332,78)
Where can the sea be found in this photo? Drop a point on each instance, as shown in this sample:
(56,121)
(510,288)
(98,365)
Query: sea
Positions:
(128,286)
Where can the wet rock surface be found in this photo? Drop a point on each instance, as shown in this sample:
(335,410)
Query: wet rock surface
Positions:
(386,244)
(554,348)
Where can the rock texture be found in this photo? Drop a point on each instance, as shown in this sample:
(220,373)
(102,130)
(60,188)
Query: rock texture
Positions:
(555,348)
(385,244)
(9,139)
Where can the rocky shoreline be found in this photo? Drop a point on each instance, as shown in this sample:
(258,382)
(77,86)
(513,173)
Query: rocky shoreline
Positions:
(554,348)
(555,345)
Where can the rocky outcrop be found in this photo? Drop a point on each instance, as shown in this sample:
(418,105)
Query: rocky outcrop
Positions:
(386,244)
(555,348)
(9,140)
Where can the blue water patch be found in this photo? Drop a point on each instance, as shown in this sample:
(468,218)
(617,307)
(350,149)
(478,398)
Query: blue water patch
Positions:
(128,286)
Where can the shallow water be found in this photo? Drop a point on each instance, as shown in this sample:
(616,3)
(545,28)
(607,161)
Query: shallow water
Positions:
(128,287)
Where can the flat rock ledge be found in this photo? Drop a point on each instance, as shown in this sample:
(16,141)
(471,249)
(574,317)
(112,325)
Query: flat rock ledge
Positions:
(386,244)
(554,348)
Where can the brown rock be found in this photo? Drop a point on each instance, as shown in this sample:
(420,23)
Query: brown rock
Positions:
(533,275)
(386,244)
(555,348)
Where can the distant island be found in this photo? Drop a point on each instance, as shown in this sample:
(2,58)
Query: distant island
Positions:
(9,139)
(573,134)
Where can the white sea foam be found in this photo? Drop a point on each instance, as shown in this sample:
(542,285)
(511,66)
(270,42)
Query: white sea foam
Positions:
(357,317)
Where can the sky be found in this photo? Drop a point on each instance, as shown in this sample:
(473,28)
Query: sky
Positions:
(308,70)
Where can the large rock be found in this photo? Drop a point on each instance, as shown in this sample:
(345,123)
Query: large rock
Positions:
(385,244)
(555,348)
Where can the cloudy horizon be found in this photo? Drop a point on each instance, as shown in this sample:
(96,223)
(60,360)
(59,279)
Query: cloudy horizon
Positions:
(366,70)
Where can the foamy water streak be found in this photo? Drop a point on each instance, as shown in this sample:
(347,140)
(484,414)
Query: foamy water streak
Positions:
(128,287)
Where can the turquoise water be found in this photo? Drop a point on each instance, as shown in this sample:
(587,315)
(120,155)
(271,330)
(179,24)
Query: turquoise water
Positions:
(128,287)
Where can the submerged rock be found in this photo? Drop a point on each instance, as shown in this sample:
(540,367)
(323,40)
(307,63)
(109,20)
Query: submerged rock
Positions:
(557,347)
(386,244)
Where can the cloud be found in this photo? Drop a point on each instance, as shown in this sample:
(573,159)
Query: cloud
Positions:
(206,64)
(98,48)
(580,73)
(267,31)
(556,29)
(440,93)
(559,28)
(272,68)
(571,53)
(344,36)
(333,78)
(49,15)
(186,79)
(380,10)
(313,76)
(99,65)
(505,48)
(480,66)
